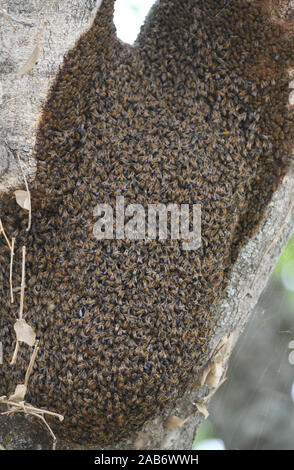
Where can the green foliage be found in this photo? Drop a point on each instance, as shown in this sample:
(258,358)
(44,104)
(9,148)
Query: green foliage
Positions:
(205,431)
(284,271)
(286,257)
(134,7)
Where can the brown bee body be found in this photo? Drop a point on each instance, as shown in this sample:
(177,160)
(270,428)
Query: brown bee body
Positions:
(194,113)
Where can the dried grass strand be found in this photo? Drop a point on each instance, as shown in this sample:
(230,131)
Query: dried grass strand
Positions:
(28,191)
(22,287)
(11,269)
(4,234)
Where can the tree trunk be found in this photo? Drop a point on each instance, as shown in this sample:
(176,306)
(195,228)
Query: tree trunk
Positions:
(24,25)
(55,26)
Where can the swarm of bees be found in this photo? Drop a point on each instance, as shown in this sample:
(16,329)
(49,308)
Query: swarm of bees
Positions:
(195,112)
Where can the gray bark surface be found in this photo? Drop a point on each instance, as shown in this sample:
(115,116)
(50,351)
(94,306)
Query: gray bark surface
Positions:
(57,24)
(20,104)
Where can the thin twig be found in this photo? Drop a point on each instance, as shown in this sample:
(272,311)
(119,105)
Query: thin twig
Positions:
(12,19)
(7,17)
(39,410)
(22,282)
(3,231)
(31,364)
(46,424)
(34,57)
(11,266)
(29,194)
(13,360)
(26,408)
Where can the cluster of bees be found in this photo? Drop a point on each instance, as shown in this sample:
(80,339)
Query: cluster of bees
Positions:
(194,113)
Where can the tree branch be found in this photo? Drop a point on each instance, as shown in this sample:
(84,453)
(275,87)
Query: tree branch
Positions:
(21,100)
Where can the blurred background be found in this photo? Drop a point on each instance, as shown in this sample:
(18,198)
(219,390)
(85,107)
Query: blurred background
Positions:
(254,408)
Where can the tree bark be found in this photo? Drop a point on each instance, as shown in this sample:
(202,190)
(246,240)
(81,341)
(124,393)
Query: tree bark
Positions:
(57,25)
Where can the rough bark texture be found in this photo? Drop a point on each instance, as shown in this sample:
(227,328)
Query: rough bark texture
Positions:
(57,25)
(20,102)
